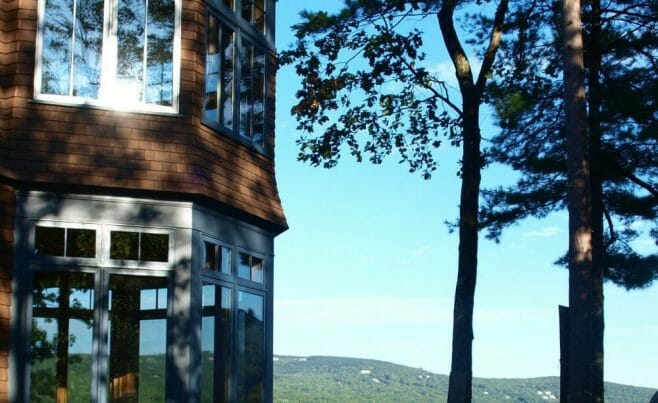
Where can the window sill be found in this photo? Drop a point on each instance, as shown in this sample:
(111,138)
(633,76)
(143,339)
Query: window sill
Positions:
(98,105)
(237,138)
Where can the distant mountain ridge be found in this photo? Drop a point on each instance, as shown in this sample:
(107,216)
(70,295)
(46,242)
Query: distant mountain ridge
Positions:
(340,379)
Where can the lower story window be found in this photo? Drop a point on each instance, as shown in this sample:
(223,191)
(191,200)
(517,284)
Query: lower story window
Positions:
(76,357)
(250,347)
(217,338)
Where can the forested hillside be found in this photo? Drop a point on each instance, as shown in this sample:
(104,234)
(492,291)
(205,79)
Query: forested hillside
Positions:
(334,379)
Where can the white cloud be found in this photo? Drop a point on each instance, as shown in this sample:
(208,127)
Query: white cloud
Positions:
(543,233)
(420,251)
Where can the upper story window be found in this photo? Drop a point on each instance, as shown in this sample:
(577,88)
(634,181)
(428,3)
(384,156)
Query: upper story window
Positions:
(115,53)
(253,11)
(237,69)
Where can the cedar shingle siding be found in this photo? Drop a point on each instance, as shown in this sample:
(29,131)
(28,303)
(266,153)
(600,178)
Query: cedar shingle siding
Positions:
(52,144)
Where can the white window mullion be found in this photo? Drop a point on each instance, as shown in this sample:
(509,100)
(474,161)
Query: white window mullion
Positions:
(145,51)
(72,58)
(109,49)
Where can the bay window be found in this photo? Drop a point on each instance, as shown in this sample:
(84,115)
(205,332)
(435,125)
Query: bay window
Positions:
(108,52)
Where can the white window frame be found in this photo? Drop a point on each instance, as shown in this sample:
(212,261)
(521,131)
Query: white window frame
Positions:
(31,246)
(108,66)
(138,264)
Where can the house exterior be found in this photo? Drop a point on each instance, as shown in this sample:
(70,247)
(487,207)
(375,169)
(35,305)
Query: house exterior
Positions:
(138,202)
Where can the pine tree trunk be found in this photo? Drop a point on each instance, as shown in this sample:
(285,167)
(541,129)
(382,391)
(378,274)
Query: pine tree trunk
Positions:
(596,185)
(461,374)
(583,300)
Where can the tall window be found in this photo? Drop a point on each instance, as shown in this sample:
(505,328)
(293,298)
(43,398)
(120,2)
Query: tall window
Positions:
(98,333)
(236,68)
(108,52)
(233,325)
(129,362)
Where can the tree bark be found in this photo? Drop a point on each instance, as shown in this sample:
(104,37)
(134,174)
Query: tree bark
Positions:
(593,55)
(583,364)
(461,369)
(461,373)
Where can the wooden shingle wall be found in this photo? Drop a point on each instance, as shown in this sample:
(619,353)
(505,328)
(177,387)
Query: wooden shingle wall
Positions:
(66,145)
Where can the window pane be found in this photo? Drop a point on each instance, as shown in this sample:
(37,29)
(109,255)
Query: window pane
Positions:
(246,87)
(227,40)
(244,266)
(61,342)
(225,263)
(258,98)
(250,347)
(56,52)
(80,243)
(229,4)
(215,343)
(124,245)
(247,8)
(256,269)
(49,241)
(160,45)
(131,28)
(155,247)
(212,69)
(137,340)
(259,15)
(87,48)
(211,256)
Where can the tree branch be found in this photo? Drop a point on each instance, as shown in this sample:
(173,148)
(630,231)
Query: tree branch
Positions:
(455,49)
(494,44)
(630,176)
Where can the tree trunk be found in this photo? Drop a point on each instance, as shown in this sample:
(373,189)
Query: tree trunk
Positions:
(461,373)
(583,364)
(461,366)
(596,185)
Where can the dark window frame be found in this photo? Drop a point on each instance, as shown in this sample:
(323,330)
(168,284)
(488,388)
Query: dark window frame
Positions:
(243,32)
(233,282)
(100,314)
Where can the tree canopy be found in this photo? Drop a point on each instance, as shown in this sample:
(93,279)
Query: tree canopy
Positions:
(621,63)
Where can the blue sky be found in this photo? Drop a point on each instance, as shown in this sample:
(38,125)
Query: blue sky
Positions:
(368,268)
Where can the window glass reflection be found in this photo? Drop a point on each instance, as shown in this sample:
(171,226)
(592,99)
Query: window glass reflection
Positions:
(212,69)
(61,342)
(246,94)
(250,335)
(130,59)
(80,242)
(251,268)
(219,73)
(252,92)
(137,338)
(215,343)
(71,51)
(49,241)
(88,41)
(154,247)
(73,48)
(160,45)
(124,245)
